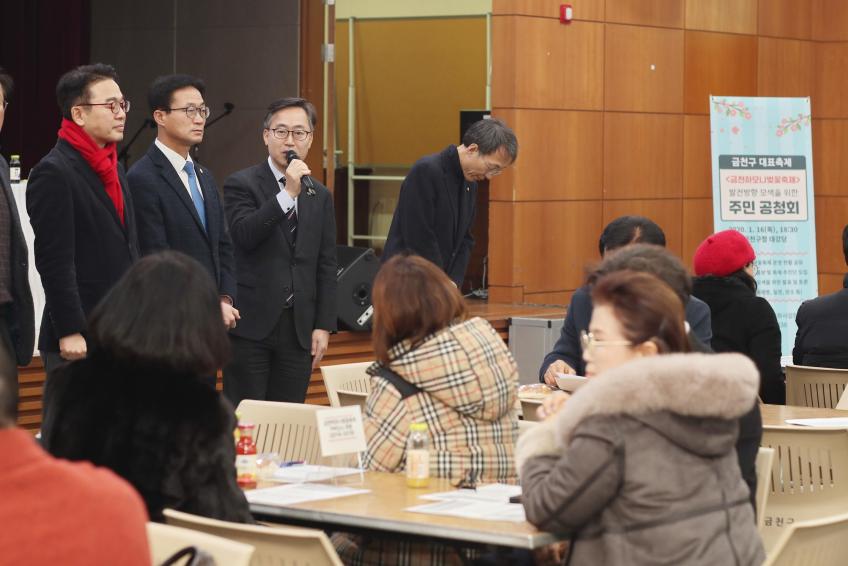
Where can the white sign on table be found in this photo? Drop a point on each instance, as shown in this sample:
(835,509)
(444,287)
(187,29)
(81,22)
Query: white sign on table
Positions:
(340,430)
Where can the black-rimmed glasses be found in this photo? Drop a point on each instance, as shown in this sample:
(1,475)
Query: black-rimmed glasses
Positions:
(113,105)
(283,133)
(192,111)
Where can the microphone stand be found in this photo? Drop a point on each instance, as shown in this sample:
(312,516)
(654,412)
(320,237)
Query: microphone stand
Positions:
(228,109)
(124,154)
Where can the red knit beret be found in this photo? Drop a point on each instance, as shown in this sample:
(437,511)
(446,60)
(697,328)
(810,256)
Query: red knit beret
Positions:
(723,253)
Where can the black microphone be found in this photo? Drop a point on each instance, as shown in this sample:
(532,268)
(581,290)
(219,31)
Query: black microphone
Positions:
(306,180)
(228,107)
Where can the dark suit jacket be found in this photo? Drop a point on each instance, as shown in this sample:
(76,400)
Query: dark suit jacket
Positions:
(431,219)
(569,350)
(167,219)
(822,337)
(23,319)
(81,247)
(268,266)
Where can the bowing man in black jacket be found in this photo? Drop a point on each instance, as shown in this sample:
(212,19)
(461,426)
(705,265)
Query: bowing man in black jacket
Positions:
(284,233)
(177,201)
(435,211)
(81,210)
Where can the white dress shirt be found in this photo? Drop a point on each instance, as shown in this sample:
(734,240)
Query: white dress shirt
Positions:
(179,162)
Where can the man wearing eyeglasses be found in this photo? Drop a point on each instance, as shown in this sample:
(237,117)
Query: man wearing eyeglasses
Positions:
(81,210)
(284,233)
(17,325)
(177,202)
(438,198)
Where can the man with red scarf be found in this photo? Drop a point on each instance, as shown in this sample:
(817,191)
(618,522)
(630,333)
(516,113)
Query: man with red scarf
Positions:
(80,209)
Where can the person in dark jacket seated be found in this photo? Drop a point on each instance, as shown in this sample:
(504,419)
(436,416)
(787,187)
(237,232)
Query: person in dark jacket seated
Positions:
(567,355)
(742,321)
(638,466)
(823,327)
(137,404)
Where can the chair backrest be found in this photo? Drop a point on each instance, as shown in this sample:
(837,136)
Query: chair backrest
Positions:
(809,477)
(808,386)
(765,461)
(528,409)
(349,377)
(348,398)
(287,428)
(822,542)
(165,540)
(278,545)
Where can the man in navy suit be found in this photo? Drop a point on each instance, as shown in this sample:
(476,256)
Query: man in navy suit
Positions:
(177,202)
(438,198)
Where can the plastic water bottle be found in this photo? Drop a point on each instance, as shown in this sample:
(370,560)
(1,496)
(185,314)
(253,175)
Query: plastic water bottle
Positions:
(15,169)
(418,456)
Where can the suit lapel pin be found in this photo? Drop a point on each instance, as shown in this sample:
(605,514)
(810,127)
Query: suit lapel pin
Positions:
(310,191)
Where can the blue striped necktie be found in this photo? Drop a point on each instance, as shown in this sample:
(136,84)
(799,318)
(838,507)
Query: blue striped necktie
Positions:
(195,193)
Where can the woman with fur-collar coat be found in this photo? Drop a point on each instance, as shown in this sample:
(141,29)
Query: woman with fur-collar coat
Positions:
(638,466)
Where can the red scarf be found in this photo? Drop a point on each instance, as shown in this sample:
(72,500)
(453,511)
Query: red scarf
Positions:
(103,160)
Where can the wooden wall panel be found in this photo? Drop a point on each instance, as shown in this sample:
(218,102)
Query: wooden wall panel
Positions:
(504,294)
(785,67)
(643,69)
(583,9)
(697,164)
(562,298)
(697,225)
(643,155)
(831,80)
(552,242)
(662,13)
(830,283)
(830,20)
(665,212)
(539,63)
(786,18)
(732,16)
(502,244)
(570,143)
(830,148)
(831,218)
(719,64)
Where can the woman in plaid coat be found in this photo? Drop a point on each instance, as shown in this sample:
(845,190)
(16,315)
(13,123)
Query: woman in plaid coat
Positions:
(437,367)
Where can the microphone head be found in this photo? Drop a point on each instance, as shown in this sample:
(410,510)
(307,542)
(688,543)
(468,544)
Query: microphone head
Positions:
(291,155)
(228,106)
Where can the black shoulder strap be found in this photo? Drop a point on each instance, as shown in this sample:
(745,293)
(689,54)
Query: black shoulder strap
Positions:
(405,388)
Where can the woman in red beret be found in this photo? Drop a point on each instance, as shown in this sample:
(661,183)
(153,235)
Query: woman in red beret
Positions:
(742,321)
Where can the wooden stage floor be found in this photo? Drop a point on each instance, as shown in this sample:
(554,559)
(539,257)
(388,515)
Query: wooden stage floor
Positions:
(345,347)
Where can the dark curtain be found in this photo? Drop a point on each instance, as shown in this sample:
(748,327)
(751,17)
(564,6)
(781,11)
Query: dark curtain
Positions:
(39,41)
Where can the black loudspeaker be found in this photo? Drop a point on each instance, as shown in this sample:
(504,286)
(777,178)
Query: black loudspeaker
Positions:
(355,275)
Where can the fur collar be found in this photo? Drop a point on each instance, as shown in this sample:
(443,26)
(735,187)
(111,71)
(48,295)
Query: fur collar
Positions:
(696,385)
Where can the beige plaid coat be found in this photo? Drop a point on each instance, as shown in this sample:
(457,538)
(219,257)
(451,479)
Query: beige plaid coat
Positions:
(468,385)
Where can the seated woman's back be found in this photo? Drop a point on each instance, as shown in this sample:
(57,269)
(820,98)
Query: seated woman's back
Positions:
(140,403)
(168,434)
(462,383)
